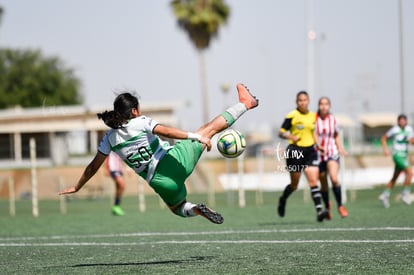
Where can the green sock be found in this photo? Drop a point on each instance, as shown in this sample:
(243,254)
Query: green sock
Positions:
(233,113)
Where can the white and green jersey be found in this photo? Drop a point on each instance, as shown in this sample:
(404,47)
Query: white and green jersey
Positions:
(136,144)
(400,138)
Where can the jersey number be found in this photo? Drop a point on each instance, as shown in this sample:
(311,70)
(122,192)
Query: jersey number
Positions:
(139,158)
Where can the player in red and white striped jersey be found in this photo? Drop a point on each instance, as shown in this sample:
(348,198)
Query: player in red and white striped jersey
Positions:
(115,169)
(330,149)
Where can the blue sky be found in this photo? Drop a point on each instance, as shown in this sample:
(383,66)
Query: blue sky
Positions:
(136,44)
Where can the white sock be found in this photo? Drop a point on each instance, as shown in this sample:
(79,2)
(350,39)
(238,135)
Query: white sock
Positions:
(237,110)
(187,209)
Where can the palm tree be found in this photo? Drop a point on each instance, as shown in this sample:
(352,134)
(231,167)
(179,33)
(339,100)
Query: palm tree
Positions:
(201,20)
(1,13)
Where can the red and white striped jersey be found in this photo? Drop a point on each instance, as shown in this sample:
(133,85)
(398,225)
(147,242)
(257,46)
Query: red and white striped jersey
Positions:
(115,163)
(326,129)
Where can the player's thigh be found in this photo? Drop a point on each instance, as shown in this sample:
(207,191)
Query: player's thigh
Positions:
(171,190)
(333,170)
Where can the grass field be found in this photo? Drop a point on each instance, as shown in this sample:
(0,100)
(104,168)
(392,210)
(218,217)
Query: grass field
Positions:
(252,240)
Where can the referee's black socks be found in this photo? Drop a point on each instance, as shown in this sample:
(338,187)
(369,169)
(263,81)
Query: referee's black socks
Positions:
(286,193)
(316,196)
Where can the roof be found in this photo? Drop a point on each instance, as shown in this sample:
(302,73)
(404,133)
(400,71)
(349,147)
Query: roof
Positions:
(344,120)
(69,118)
(373,120)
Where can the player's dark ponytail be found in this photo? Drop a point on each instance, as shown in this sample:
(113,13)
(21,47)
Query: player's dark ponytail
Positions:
(111,119)
(123,105)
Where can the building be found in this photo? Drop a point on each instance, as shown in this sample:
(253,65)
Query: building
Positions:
(374,125)
(59,132)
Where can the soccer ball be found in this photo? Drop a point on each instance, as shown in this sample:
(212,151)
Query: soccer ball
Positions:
(231,143)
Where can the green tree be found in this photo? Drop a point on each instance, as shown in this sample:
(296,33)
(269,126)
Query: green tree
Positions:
(29,79)
(1,13)
(201,20)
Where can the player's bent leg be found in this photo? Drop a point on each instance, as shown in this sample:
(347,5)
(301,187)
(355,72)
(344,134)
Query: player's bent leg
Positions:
(408,176)
(324,181)
(119,189)
(281,207)
(188,209)
(183,209)
(406,192)
(337,190)
(333,171)
(215,126)
(246,102)
(246,97)
(312,173)
(394,178)
(120,186)
(289,189)
(328,208)
(176,209)
(325,192)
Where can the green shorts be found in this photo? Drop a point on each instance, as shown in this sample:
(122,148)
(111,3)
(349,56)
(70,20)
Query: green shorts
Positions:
(173,169)
(401,161)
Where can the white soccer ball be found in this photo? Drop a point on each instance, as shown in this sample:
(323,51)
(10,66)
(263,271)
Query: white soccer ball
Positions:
(231,143)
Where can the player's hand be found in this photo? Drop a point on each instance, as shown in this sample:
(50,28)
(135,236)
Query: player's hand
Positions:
(295,139)
(69,190)
(206,141)
(343,152)
(386,152)
(321,149)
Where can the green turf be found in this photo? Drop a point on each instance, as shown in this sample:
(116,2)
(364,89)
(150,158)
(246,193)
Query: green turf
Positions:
(252,240)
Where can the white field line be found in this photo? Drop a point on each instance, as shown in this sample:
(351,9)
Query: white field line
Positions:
(22,241)
(192,233)
(205,242)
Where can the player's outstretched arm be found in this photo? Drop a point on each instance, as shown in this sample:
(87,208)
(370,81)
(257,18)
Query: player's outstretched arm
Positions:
(89,171)
(175,133)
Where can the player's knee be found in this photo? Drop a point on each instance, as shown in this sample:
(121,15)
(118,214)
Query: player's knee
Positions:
(178,210)
(179,213)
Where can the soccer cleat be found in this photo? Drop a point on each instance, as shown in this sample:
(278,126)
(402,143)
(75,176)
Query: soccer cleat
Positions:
(406,198)
(329,217)
(246,97)
(342,211)
(385,200)
(322,215)
(281,208)
(209,214)
(117,210)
